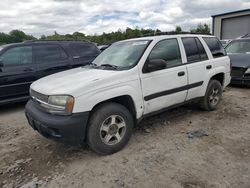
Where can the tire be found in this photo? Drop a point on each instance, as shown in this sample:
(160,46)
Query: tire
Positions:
(110,128)
(212,97)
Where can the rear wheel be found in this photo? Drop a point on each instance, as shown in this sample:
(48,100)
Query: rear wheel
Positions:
(213,96)
(110,128)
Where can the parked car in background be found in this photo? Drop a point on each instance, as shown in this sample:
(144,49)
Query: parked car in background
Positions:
(224,42)
(239,52)
(129,81)
(23,63)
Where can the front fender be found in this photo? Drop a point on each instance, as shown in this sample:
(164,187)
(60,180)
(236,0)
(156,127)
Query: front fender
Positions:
(88,101)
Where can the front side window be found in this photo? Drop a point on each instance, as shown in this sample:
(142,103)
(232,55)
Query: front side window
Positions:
(215,46)
(239,46)
(191,49)
(122,55)
(167,50)
(17,56)
(49,53)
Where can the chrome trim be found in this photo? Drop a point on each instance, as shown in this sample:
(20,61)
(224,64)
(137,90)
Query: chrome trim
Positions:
(47,105)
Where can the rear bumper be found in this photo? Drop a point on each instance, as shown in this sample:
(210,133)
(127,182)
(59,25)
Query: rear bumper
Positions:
(65,128)
(240,81)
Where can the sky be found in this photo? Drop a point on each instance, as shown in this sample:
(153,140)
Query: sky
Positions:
(38,17)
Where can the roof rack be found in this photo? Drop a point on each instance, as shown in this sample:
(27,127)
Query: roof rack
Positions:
(33,41)
(172,33)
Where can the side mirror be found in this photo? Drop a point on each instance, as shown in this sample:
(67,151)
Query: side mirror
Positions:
(156,64)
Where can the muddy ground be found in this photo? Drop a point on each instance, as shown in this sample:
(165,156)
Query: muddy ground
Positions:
(159,154)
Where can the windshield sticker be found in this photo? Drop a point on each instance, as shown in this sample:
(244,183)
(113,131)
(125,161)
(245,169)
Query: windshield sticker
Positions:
(139,43)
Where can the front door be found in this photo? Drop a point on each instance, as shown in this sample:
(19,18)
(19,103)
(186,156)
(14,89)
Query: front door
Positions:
(17,72)
(165,87)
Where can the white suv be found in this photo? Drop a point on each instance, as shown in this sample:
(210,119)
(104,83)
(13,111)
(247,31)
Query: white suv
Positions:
(100,103)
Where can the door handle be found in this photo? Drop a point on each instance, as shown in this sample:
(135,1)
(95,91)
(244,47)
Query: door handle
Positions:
(209,66)
(27,69)
(182,73)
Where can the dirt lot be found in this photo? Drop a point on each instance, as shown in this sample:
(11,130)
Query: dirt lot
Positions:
(159,154)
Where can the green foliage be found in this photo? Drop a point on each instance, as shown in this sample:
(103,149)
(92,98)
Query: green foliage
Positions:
(178,29)
(104,38)
(14,36)
(201,28)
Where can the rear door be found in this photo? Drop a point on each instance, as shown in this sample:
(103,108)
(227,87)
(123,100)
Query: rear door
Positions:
(198,65)
(83,53)
(50,59)
(165,87)
(17,72)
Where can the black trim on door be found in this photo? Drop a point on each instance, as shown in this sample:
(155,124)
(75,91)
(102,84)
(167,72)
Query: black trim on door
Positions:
(171,91)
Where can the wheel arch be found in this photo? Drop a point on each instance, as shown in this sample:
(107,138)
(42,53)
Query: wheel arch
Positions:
(125,100)
(219,77)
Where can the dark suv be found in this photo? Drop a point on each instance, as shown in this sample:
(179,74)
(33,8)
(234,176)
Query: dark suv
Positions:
(23,63)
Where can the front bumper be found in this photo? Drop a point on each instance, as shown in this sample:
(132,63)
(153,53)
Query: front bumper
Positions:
(66,128)
(241,81)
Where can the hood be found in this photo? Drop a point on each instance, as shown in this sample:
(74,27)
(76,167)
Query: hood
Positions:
(240,60)
(78,81)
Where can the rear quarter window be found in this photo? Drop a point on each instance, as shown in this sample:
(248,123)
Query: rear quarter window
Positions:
(215,46)
(83,50)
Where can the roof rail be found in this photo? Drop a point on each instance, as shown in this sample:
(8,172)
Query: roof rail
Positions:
(246,36)
(172,33)
(33,41)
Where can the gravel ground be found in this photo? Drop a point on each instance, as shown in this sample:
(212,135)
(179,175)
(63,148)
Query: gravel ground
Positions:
(159,154)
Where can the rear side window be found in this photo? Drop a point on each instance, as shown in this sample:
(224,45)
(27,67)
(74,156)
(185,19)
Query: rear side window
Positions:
(83,50)
(191,49)
(17,56)
(49,53)
(202,52)
(215,46)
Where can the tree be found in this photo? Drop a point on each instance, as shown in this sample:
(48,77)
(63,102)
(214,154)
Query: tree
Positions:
(178,29)
(104,38)
(17,36)
(43,37)
(201,28)
(4,38)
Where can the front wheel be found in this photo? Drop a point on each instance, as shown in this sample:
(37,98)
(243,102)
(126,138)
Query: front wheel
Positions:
(212,97)
(110,128)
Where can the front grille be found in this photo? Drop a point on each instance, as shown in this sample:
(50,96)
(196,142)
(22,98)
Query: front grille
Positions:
(39,96)
(237,72)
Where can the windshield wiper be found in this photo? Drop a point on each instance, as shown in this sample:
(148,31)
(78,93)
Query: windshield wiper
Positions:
(109,65)
(91,64)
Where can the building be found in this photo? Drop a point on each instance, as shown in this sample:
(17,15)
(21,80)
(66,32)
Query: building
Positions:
(232,24)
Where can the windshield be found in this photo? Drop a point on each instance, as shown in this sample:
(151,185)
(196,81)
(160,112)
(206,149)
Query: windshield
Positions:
(240,46)
(123,55)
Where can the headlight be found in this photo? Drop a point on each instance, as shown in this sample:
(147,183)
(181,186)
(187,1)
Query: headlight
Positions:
(248,71)
(60,104)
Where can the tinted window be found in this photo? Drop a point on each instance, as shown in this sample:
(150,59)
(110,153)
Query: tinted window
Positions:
(202,52)
(167,50)
(17,55)
(191,49)
(84,50)
(49,53)
(215,46)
